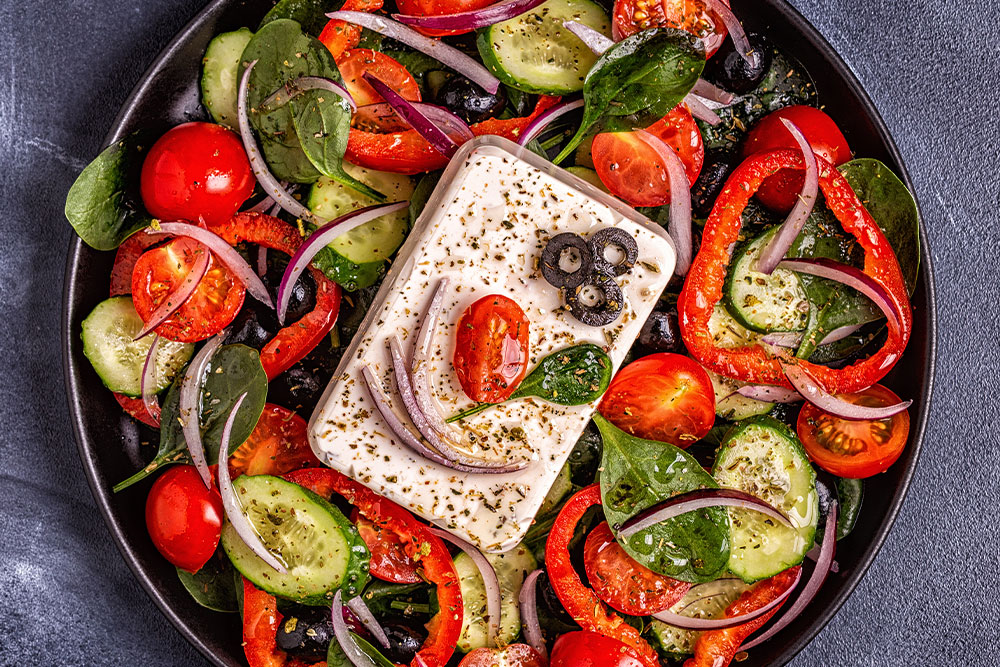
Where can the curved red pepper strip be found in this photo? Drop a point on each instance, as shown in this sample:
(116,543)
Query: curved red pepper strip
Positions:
(580,601)
(261,620)
(703,286)
(716,648)
(420,544)
(340,36)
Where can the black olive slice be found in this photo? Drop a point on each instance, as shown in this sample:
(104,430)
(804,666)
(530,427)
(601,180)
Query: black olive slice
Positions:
(608,306)
(552,257)
(611,237)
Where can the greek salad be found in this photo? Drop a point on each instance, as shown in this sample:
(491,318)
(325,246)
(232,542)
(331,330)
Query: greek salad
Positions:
(521,333)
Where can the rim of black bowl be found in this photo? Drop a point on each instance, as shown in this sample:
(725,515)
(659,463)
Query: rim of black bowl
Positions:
(781,653)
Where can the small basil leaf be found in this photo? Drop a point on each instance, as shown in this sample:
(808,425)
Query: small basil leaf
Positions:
(574,376)
(336,657)
(213,586)
(850,494)
(310,14)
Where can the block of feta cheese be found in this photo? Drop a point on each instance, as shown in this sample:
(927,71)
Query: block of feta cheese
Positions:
(484,229)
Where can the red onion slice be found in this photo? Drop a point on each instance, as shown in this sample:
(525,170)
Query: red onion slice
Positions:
(261,206)
(823,564)
(850,276)
(792,339)
(680,200)
(712,92)
(231,502)
(364,614)
(471,20)
(179,296)
(807,385)
(420,361)
(446,55)
(189,405)
(698,500)
(700,111)
(526,601)
(148,382)
(790,228)
(343,633)
(262,261)
(593,39)
(689,623)
(770,394)
(490,582)
(405,109)
(735,29)
(304,84)
(225,253)
(319,239)
(537,126)
(264,176)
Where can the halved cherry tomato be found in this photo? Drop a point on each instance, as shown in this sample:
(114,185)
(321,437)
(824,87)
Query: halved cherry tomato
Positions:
(438,8)
(855,449)
(515,655)
(491,348)
(665,397)
(355,63)
(389,561)
(632,170)
(214,304)
(278,444)
(590,649)
(339,36)
(631,16)
(195,171)
(623,583)
(184,518)
(779,192)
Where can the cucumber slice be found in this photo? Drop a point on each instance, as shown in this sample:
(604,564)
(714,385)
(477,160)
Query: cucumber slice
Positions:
(535,53)
(731,406)
(709,601)
(511,567)
(322,550)
(763,457)
(220,75)
(726,332)
(107,341)
(762,302)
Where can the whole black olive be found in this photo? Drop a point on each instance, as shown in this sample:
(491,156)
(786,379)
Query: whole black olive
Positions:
(729,70)
(247,328)
(661,332)
(404,642)
(551,611)
(307,633)
(713,176)
(468,101)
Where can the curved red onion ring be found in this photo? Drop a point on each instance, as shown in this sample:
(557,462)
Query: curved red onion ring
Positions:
(712,92)
(148,380)
(343,634)
(189,405)
(526,601)
(700,111)
(790,228)
(688,623)
(319,239)
(680,200)
(405,109)
(592,39)
(420,363)
(697,500)
(225,253)
(811,390)
(262,262)
(264,176)
(447,55)
(262,205)
(770,394)
(490,582)
(179,296)
(850,276)
(544,119)
(471,20)
(823,564)
(793,339)
(304,84)
(231,503)
(735,29)
(364,614)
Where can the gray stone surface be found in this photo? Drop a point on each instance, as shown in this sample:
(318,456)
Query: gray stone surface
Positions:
(932,67)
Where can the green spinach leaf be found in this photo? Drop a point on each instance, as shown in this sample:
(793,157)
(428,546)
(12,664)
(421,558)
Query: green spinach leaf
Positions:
(103,205)
(638,81)
(335,656)
(213,586)
(310,14)
(850,496)
(637,474)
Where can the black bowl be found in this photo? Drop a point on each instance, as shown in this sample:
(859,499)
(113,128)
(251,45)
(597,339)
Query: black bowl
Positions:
(168,95)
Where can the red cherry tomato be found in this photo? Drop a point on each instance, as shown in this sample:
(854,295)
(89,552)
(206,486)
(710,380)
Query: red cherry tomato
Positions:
(515,655)
(196,170)
(855,449)
(779,192)
(184,519)
(278,444)
(665,397)
(491,348)
(438,8)
(212,306)
(623,583)
(389,561)
(631,16)
(355,63)
(632,170)
(590,649)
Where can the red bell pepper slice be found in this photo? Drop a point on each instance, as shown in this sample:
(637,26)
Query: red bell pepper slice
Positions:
(717,648)
(703,286)
(261,620)
(580,601)
(339,36)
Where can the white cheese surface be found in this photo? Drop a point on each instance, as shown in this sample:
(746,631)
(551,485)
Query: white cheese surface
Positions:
(484,230)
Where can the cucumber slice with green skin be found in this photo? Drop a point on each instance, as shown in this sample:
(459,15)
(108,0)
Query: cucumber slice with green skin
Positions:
(511,567)
(706,601)
(762,302)
(726,332)
(321,549)
(107,342)
(732,406)
(535,53)
(220,75)
(764,458)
